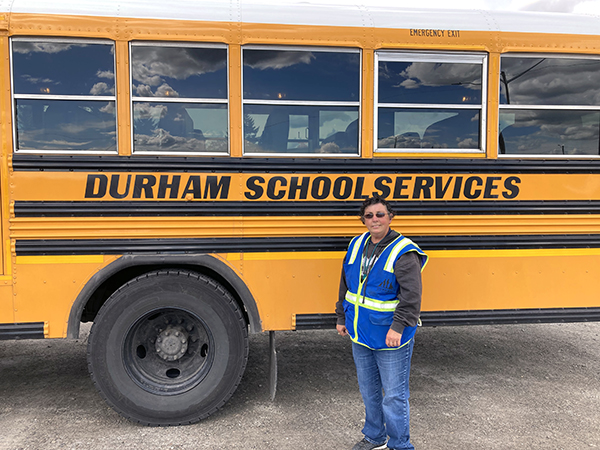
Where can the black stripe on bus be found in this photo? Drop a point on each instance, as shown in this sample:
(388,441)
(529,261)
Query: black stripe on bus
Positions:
(33,330)
(289,244)
(479,317)
(287,208)
(87,163)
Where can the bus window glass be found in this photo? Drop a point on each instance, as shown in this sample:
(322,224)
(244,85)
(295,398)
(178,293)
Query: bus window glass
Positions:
(549,81)
(65,125)
(430,101)
(547,132)
(429,82)
(64,95)
(301,129)
(549,105)
(183,127)
(428,128)
(59,68)
(187,72)
(301,101)
(301,75)
(179,95)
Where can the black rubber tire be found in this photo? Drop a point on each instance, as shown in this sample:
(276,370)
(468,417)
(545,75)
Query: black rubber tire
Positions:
(152,377)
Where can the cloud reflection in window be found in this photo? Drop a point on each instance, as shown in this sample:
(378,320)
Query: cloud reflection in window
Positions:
(188,72)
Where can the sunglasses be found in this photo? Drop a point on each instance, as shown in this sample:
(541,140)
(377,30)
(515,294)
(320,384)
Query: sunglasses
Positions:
(379,215)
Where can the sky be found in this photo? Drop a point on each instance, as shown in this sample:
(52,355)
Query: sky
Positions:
(562,6)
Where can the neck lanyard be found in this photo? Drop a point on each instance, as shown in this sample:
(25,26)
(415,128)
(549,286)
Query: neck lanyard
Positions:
(369,261)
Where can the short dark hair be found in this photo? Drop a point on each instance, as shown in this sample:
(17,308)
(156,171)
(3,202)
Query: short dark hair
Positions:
(376,199)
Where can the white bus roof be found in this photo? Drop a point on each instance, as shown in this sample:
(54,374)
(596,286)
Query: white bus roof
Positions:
(309,13)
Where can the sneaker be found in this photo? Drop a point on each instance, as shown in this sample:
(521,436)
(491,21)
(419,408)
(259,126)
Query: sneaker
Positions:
(366,445)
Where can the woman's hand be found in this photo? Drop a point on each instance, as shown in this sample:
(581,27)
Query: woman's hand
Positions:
(342,330)
(393,338)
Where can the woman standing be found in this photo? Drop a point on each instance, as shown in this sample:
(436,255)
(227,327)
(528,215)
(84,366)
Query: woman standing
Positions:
(379,307)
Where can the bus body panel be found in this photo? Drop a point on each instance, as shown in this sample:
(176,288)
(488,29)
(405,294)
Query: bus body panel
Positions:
(7,314)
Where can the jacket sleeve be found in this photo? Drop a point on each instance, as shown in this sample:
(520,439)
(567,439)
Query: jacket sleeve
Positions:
(408,274)
(339,306)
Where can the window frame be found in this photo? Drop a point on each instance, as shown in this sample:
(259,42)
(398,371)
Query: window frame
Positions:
(315,48)
(541,107)
(15,97)
(435,57)
(133,99)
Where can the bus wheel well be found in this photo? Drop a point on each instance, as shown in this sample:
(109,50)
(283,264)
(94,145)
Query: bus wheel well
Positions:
(101,294)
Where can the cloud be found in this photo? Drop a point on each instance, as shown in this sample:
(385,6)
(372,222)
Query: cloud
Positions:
(409,84)
(105,74)
(145,111)
(147,78)
(43,47)
(92,133)
(587,7)
(102,88)
(143,90)
(575,6)
(275,59)
(552,81)
(563,6)
(436,74)
(109,108)
(34,80)
(151,65)
(468,143)
(551,132)
(164,90)
(162,140)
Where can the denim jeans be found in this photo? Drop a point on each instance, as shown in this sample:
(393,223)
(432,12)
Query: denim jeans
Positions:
(385,415)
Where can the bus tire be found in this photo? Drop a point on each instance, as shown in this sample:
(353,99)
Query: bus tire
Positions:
(168,348)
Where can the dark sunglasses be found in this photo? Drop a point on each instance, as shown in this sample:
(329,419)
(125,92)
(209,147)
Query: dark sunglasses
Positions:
(379,215)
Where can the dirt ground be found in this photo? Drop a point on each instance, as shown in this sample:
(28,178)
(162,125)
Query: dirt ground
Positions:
(482,387)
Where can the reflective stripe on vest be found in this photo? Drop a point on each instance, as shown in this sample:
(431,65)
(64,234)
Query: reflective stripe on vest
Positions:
(371,303)
(356,245)
(389,264)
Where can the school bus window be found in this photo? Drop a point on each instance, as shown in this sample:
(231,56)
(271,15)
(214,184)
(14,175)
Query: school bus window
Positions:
(430,101)
(64,95)
(301,101)
(549,105)
(179,95)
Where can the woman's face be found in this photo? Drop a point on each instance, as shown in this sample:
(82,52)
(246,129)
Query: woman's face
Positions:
(377,220)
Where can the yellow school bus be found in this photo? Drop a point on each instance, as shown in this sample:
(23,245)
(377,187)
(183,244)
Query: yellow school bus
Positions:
(182,174)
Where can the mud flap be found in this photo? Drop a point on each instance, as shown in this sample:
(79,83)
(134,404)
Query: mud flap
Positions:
(272,365)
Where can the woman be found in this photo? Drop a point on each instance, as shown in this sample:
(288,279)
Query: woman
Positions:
(378,307)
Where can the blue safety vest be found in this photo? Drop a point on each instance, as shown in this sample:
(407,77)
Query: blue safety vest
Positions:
(370,301)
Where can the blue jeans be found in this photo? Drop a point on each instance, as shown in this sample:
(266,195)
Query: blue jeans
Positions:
(385,415)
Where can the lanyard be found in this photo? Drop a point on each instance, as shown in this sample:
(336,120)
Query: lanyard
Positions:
(368,263)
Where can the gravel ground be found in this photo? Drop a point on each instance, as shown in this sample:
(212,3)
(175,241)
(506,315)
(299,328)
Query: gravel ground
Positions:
(482,387)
